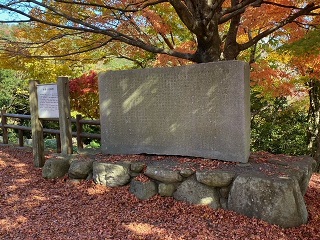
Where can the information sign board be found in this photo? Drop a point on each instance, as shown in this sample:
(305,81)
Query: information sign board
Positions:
(48,101)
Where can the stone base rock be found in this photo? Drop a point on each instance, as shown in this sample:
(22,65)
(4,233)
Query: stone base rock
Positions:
(216,178)
(109,174)
(143,190)
(163,175)
(166,189)
(80,169)
(278,201)
(55,168)
(197,193)
(271,189)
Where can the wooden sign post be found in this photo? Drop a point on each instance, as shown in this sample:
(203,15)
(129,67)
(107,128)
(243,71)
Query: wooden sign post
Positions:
(36,125)
(64,115)
(49,101)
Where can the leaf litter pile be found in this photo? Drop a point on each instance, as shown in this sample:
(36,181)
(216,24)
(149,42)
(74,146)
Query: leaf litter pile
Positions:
(34,208)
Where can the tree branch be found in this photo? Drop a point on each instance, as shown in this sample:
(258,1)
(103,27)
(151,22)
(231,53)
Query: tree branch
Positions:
(231,49)
(91,48)
(140,64)
(138,6)
(281,5)
(304,11)
(235,10)
(93,29)
(184,13)
(201,17)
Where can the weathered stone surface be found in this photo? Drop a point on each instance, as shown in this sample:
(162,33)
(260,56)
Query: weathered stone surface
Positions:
(270,188)
(109,174)
(301,169)
(90,176)
(308,165)
(55,168)
(166,190)
(215,178)
(80,169)
(133,174)
(186,172)
(275,200)
(224,203)
(126,164)
(137,166)
(163,175)
(187,110)
(224,192)
(143,190)
(194,192)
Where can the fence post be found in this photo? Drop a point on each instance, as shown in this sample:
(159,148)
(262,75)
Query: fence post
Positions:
(58,140)
(79,131)
(36,126)
(20,136)
(4,129)
(64,115)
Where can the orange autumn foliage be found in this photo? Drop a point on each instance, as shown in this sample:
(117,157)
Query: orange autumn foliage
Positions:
(272,82)
(219,30)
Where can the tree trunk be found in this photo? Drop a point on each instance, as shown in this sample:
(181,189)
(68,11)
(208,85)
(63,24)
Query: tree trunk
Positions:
(209,42)
(314,120)
(208,50)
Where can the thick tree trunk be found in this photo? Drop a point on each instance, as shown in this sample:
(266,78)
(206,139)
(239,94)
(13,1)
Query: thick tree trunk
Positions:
(208,50)
(314,120)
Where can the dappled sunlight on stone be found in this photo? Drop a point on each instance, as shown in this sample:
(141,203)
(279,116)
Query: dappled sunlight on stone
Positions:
(206,201)
(177,111)
(137,96)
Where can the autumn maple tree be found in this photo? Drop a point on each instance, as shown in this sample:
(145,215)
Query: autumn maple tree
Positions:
(303,57)
(193,30)
(289,75)
(31,62)
(84,95)
(59,36)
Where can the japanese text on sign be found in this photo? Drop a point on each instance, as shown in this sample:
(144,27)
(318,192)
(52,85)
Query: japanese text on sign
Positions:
(48,101)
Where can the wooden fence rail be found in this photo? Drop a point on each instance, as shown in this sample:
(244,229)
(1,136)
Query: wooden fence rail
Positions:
(78,121)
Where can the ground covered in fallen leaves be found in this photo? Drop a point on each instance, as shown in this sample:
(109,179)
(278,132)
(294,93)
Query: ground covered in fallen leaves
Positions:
(34,208)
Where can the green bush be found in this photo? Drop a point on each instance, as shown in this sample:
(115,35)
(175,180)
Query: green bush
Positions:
(277,126)
(93,144)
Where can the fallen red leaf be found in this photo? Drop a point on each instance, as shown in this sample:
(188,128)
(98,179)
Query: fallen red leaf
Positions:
(35,208)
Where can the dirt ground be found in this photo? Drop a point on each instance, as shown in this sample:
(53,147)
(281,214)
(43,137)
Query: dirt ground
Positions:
(34,208)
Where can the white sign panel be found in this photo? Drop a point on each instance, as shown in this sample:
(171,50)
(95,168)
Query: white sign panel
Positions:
(48,101)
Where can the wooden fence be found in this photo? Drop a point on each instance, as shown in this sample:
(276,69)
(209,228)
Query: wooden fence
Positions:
(78,121)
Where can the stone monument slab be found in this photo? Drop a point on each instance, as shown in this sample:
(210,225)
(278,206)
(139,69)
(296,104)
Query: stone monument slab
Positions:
(201,110)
